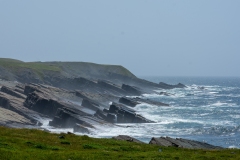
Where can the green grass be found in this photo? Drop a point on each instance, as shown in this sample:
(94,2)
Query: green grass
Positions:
(78,68)
(34,144)
(17,65)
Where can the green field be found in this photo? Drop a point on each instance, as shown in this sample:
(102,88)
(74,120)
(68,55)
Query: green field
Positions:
(35,144)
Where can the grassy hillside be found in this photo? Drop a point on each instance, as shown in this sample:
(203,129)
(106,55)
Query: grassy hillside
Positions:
(11,69)
(34,144)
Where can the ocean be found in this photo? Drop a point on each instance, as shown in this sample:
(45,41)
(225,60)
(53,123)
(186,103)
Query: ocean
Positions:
(207,110)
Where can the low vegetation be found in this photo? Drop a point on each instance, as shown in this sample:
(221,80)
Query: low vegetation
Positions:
(13,69)
(17,65)
(35,144)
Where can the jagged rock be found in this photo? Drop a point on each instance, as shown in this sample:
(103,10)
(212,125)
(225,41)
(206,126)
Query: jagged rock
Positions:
(200,87)
(41,103)
(126,115)
(131,89)
(30,88)
(181,143)
(127,138)
(80,128)
(69,117)
(15,104)
(164,93)
(12,92)
(100,114)
(169,86)
(111,117)
(128,101)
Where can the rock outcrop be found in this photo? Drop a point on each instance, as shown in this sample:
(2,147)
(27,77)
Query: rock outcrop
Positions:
(169,86)
(73,95)
(181,143)
(131,89)
(127,138)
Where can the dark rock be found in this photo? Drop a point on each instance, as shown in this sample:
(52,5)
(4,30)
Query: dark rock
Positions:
(126,115)
(105,110)
(111,87)
(131,89)
(68,117)
(151,102)
(200,87)
(30,88)
(61,137)
(112,118)
(164,93)
(128,101)
(12,92)
(100,114)
(169,86)
(181,143)
(19,90)
(19,112)
(41,103)
(127,138)
(80,128)
(89,104)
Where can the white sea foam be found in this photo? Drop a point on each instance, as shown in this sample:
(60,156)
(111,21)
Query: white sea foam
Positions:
(232,147)
(45,125)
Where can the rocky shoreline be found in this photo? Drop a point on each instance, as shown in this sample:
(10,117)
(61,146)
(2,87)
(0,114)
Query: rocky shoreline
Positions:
(81,103)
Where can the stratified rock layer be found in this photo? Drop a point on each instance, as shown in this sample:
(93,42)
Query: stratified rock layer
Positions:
(181,143)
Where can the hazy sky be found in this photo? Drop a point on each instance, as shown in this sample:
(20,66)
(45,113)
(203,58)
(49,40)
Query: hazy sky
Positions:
(149,37)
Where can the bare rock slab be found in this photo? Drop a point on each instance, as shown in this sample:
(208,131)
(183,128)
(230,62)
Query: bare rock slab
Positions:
(182,143)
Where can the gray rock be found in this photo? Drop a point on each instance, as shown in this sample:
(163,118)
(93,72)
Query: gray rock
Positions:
(127,138)
(182,143)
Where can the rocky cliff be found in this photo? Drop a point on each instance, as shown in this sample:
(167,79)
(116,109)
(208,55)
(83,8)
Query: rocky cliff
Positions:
(75,95)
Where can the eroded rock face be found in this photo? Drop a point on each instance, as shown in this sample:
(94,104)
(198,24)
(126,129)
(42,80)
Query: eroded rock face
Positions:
(88,105)
(182,143)
(68,118)
(121,114)
(40,102)
(12,92)
(15,105)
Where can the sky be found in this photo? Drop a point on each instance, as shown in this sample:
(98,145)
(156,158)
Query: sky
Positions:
(148,37)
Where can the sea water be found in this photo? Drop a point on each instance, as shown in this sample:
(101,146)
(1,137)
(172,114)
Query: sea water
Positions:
(207,110)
